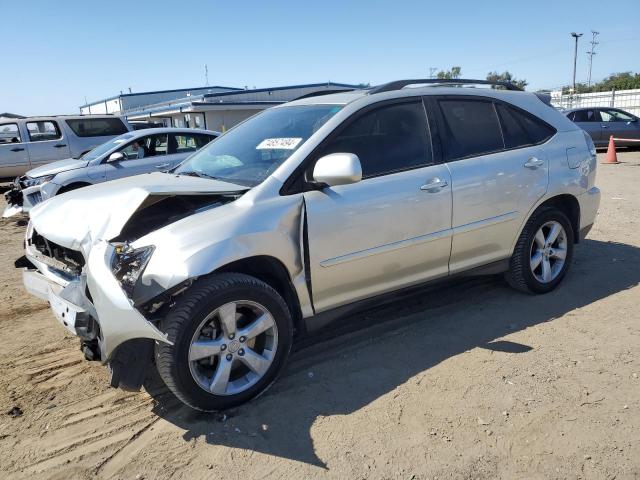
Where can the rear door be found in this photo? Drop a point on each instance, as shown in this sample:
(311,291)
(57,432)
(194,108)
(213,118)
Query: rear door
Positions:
(499,170)
(14,156)
(391,229)
(146,154)
(588,119)
(47,142)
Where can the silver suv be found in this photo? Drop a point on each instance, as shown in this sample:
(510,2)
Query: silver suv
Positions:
(266,234)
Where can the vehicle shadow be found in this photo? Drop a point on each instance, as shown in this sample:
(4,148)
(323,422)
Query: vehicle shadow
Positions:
(341,375)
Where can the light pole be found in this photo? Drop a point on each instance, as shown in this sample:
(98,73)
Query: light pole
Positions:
(575,58)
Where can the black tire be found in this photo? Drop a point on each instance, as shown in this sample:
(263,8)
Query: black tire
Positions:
(205,296)
(520,275)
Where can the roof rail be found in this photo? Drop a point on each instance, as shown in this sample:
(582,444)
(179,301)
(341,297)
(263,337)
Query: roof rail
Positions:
(400,84)
(323,92)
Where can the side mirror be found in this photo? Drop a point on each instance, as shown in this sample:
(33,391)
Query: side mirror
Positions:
(338,169)
(115,157)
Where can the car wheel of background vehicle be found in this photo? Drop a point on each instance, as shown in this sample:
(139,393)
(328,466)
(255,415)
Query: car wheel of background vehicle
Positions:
(543,253)
(231,336)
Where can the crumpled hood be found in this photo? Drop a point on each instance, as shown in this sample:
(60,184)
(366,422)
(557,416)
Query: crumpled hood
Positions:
(79,218)
(54,168)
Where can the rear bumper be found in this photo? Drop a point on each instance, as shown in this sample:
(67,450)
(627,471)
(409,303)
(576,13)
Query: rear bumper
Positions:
(589,204)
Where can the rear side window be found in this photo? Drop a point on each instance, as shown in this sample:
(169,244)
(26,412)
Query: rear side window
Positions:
(184,143)
(471,128)
(9,133)
(520,129)
(43,131)
(97,127)
(389,139)
(583,116)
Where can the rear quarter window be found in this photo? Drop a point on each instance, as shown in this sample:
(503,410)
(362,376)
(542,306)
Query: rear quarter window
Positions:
(97,127)
(521,129)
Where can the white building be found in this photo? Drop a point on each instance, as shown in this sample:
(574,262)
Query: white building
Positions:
(213,110)
(131,101)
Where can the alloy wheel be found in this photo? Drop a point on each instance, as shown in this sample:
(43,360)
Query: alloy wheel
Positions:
(233,347)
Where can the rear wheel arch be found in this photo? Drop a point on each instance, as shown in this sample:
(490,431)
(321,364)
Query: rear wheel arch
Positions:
(567,204)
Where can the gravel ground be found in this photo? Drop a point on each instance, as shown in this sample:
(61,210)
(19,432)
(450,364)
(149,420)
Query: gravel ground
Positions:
(466,381)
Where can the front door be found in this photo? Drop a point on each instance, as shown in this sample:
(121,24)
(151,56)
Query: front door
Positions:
(46,142)
(393,228)
(499,170)
(621,125)
(14,156)
(146,154)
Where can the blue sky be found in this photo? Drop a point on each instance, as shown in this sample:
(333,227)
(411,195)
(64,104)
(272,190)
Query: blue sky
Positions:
(57,53)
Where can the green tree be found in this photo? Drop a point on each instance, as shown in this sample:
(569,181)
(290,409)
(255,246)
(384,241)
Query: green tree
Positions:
(506,76)
(619,81)
(449,74)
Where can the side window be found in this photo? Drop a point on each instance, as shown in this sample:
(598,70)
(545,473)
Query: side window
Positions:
(97,127)
(43,131)
(182,143)
(471,128)
(202,140)
(151,146)
(584,116)
(615,116)
(520,129)
(9,133)
(387,140)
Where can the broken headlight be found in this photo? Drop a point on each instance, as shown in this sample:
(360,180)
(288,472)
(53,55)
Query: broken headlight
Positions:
(129,263)
(33,181)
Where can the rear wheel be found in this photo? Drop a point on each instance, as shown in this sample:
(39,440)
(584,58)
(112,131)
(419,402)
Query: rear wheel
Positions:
(231,336)
(543,252)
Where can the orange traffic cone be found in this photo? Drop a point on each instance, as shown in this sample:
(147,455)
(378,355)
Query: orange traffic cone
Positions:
(611,152)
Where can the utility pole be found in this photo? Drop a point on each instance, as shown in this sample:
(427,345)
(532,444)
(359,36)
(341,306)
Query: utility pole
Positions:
(206,75)
(432,72)
(575,58)
(592,52)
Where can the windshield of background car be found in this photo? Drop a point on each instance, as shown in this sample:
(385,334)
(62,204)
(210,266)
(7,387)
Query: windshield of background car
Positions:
(253,150)
(105,147)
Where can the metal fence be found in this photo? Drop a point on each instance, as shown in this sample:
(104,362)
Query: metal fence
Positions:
(628,100)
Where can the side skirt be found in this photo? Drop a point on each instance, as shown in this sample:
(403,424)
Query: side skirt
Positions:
(320,322)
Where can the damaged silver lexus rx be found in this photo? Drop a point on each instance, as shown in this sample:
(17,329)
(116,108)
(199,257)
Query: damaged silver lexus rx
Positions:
(210,271)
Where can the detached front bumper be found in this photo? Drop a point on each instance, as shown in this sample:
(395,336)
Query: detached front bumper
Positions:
(93,297)
(22,200)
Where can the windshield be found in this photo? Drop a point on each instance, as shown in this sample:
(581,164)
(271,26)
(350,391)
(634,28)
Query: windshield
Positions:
(105,147)
(253,150)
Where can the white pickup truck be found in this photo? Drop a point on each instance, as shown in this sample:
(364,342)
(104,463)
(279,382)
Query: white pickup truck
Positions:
(27,143)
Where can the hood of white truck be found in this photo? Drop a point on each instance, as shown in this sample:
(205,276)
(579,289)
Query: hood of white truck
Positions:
(54,168)
(99,212)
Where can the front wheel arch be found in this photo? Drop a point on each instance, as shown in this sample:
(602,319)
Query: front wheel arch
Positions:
(72,186)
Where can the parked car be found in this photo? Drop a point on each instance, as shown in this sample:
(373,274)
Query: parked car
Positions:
(300,212)
(140,151)
(600,123)
(30,142)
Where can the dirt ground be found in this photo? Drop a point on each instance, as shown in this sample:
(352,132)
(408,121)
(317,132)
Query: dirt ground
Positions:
(466,381)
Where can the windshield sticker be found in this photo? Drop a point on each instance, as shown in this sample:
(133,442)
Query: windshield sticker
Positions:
(278,144)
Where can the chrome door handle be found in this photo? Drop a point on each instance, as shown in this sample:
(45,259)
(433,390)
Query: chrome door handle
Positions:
(605,126)
(434,185)
(163,165)
(533,163)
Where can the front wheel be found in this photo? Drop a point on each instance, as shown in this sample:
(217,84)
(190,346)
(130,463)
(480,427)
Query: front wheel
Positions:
(231,336)
(543,253)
